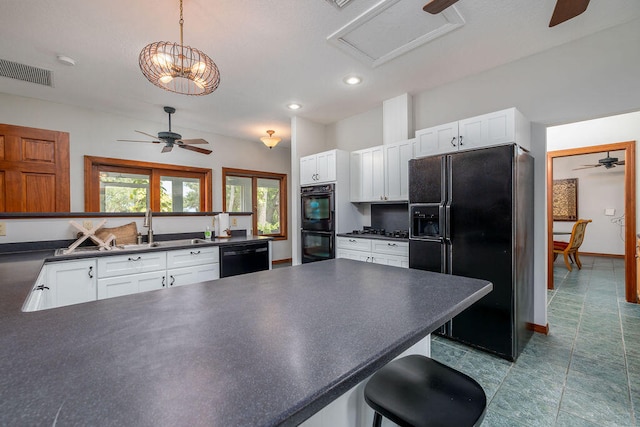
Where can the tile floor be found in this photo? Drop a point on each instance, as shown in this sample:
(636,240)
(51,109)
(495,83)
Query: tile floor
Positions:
(586,372)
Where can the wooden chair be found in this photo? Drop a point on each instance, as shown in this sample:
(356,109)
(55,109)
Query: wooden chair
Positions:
(570,249)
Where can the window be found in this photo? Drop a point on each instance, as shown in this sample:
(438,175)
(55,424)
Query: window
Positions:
(115,185)
(262,193)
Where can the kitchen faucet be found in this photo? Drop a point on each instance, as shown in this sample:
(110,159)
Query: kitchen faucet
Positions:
(148,222)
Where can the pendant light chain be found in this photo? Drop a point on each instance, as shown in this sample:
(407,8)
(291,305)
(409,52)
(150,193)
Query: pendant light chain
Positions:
(181,42)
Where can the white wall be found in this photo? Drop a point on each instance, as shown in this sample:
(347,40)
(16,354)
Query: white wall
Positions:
(357,132)
(94,133)
(598,189)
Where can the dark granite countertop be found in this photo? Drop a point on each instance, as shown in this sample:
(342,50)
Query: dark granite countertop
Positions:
(268,348)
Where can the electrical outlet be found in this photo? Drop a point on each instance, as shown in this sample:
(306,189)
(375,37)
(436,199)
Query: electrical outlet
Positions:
(87,224)
(234,222)
(3,228)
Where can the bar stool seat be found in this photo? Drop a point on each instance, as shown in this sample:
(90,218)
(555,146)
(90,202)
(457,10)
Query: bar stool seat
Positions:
(417,391)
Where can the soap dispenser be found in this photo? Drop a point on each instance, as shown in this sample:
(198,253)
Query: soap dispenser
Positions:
(207,233)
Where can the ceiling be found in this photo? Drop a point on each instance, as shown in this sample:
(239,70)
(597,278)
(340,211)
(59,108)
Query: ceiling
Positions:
(271,53)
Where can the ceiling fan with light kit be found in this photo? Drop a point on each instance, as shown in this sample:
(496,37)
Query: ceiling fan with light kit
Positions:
(608,163)
(172,139)
(564,10)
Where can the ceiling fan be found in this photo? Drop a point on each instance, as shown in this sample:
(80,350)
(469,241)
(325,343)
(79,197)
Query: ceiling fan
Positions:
(171,139)
(564,10)
(607,162)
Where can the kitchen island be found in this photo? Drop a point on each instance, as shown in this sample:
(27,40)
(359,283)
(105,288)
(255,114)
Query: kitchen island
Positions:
(267,348)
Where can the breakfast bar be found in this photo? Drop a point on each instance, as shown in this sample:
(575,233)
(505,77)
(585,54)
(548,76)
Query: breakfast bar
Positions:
(262,349)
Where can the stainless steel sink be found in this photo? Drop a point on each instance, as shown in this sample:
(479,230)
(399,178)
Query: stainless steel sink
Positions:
(135,247)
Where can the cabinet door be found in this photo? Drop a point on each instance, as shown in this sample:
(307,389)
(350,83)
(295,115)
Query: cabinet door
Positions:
(495,128)
(326,166)
(131,284)
(355,175)
(193,256)
(308,170)
(396,170)
(436,140)
(354,255)
(71,282)
(372,178)
(393,260)
(195,274)
(390,247)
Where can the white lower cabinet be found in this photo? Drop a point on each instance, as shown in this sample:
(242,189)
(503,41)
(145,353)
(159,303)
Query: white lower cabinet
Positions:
(68,282)
(378,251)
(188,275)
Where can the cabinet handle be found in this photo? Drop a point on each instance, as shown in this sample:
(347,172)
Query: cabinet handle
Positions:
(195,253)
(452,141)
(41,287)
(391,244)
(173,280)
(461,140)
(91,272)
(163,277)
(352,241)
(135,259)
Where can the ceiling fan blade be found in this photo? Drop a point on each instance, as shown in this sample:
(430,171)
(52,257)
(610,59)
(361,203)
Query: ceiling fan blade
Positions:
(148,134)
(167,148)
(567,9)
(137,140)
(196,149)
(434,7)
(620,163)
(191,141)
(587,167)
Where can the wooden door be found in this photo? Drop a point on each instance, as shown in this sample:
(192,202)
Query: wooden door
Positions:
(34,170)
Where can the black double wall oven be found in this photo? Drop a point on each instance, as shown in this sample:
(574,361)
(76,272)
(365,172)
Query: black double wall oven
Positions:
(318,222)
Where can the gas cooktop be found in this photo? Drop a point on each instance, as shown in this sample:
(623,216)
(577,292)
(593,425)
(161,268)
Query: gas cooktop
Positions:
(369,231)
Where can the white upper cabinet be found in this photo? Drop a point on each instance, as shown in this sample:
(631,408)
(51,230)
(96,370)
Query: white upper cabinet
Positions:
(396,170)
(381,173)
(436,140)
(318,168)
(497,128)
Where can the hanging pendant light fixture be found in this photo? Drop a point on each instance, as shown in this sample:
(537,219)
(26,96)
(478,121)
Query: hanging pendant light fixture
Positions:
(179,68)
(270,141)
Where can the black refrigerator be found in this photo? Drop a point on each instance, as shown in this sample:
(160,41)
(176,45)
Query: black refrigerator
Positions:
(471,214)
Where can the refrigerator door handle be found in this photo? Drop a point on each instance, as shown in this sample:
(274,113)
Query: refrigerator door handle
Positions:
(447,221)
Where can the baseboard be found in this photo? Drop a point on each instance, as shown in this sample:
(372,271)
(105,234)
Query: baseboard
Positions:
(538,328)
(281,261)
(600,255)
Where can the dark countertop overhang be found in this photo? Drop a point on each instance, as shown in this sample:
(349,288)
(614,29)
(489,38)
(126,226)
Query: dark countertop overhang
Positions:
(268,348)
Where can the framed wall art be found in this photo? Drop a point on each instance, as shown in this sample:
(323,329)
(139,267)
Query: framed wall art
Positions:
(565,199)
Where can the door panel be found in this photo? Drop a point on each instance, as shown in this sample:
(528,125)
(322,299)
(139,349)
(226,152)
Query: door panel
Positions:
(428,255)
(426,180)
(35,163)
(481,237)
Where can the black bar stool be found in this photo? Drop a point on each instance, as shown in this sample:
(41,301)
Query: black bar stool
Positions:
(417,391)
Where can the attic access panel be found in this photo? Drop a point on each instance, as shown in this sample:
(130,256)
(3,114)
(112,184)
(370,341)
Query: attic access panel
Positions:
(392,28)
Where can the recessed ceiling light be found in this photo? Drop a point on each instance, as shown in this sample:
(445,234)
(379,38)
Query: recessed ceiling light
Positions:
(352,80)
(294,106)
(66,60)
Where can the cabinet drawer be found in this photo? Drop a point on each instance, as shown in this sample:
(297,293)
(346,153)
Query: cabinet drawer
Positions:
(110,266)
(353,244)
(130,284)
(193,256)
(394,260)
(194,274)
(390,247)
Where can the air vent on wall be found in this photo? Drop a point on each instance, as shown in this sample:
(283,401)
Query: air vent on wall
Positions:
(27,73)
(339,3)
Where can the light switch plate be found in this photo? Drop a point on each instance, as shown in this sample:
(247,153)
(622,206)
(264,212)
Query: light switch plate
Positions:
(609,212)
(3,228)
(234,222)
(87,224)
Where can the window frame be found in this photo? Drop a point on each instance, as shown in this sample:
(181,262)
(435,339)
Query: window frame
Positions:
(255,175)
(93,166)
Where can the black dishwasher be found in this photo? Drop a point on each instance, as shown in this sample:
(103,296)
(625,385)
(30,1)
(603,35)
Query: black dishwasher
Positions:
(243,258)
